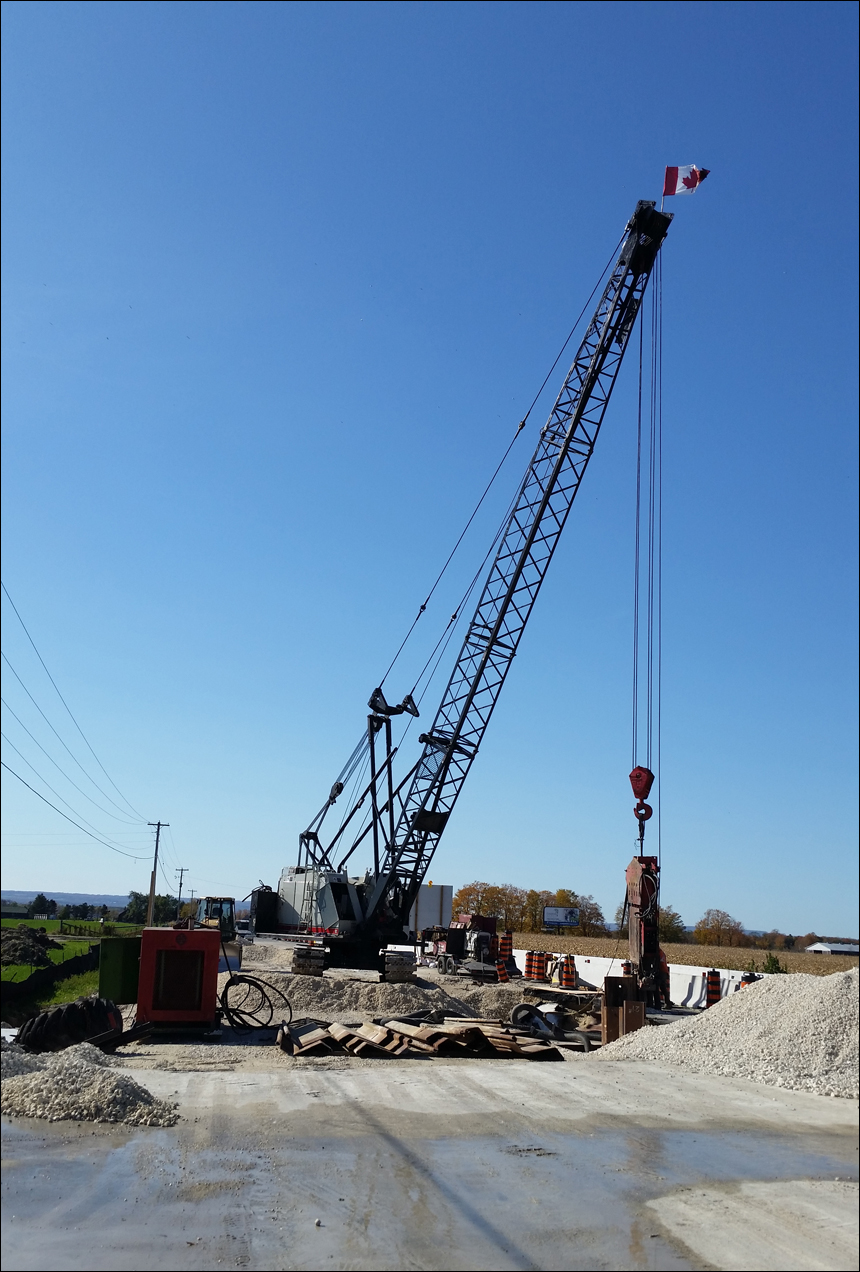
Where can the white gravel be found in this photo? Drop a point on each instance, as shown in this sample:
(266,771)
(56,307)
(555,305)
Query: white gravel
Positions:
(79,1084)
(797,1031)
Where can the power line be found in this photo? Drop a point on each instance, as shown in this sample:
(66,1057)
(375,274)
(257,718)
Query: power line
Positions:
(69,819)
(59,739)
(46,783)
(61,770)
(66,705)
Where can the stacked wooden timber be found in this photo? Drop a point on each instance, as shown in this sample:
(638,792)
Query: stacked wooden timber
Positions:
(490,1039)
(308,960)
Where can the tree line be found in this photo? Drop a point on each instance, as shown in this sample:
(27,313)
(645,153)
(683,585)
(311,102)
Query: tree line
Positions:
(521,910)
(43,905)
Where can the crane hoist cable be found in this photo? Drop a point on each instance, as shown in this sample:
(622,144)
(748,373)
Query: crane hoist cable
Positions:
(648,567)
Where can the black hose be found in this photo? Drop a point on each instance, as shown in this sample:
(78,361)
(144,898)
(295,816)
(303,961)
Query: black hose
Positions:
(254,1002)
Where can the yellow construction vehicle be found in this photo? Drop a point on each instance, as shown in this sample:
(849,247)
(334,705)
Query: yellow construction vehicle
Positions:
(217,912)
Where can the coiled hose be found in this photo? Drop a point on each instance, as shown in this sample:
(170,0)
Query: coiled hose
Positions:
(249,1003)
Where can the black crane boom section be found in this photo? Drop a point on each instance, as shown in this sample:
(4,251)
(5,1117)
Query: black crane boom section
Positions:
(525,551)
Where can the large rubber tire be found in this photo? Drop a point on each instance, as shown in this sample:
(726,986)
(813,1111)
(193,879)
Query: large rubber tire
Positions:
(450,966)
(69,1023)
(440,964)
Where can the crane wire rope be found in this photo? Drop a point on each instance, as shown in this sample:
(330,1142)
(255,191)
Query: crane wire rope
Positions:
(443,641)
(499,466)
(69,819)
(66,705)
(648,556)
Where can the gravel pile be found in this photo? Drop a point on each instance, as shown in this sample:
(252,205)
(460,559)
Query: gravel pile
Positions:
(798,1032)
(79,1084)
(15,1061)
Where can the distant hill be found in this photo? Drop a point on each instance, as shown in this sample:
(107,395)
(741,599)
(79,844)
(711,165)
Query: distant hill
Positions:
(112,901)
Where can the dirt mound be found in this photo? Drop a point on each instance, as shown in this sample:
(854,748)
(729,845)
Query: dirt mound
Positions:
(23,944)
(344,1000)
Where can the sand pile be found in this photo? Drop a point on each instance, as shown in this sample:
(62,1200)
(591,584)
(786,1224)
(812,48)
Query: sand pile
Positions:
(79,1084)
(271,954)
(346,1000)
(798,1032)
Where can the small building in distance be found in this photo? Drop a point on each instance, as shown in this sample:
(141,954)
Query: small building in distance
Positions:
(11,910)
(832,947)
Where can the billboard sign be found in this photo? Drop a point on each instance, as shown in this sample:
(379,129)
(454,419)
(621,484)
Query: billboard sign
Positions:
(560,916)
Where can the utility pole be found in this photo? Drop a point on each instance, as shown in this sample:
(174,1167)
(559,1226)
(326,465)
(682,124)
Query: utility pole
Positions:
(150,909)
(183,870)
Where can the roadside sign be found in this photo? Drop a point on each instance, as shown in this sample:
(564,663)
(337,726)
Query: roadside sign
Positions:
(560,916)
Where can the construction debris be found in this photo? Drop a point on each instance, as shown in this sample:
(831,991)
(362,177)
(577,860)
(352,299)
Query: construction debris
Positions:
(79,1084)
(797,1031)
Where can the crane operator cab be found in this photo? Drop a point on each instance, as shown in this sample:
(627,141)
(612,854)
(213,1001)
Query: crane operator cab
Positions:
(217,912)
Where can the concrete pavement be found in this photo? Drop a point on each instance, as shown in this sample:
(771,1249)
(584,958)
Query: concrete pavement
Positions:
(479,1164)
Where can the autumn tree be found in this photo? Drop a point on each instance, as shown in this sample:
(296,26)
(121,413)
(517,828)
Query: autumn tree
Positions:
(534,904)
(470,899)
(670,926)
(591,920)
(716,927)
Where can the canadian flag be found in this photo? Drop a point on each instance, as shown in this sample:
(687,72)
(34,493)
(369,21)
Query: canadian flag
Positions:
(684,180)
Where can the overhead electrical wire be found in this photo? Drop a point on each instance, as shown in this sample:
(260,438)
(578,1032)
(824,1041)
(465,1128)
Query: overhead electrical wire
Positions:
(62,770)
(69,819)
(46,783)
(66,705)
(60,740)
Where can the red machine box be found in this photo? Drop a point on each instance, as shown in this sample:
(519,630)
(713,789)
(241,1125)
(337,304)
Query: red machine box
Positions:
(178,976)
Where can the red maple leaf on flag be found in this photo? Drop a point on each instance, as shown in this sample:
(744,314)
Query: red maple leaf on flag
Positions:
(692,180)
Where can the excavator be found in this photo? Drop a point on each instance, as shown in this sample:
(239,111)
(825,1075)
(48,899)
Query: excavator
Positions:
(399,823)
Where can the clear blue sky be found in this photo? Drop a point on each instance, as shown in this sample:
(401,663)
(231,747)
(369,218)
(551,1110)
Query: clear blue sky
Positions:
(280,281)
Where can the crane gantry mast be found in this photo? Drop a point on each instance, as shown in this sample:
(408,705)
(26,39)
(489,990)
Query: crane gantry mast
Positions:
(407,822)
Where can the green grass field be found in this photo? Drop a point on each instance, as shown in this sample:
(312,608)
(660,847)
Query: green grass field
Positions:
(50,925)
(83,927)
(20,971)
(66,991)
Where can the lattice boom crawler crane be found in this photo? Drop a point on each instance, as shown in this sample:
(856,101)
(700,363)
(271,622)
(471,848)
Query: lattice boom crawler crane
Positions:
(357,915)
